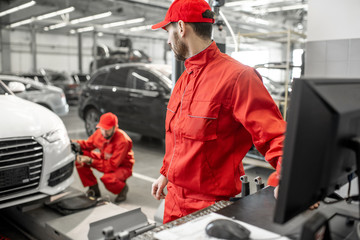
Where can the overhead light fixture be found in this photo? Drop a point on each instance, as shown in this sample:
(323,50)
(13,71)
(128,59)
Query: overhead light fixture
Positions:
(56,13)
(253,3)
(287,8)
(90,18)
(15,9)
(79,20)
(85,29)
(121,23)
(81,30)
(20,23)
(42,17)
(250,19)
(140,28)
(55,26)
(135,29)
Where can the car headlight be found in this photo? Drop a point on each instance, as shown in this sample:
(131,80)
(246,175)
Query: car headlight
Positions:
(55,135)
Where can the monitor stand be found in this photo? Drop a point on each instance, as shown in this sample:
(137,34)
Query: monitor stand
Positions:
(338,226)
(354,144)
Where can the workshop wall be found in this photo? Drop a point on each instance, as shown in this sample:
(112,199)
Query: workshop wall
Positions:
(60,52)
(333,47)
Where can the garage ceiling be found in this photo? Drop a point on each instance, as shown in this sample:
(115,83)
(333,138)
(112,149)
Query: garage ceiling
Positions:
(244,16)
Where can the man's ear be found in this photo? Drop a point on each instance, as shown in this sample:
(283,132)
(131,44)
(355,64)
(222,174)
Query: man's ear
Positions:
(181,28)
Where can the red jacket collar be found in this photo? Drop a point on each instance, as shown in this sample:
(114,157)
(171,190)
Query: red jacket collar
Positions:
(202,58)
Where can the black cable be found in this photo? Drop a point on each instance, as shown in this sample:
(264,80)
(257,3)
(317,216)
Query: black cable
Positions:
(347,199)
(349,188)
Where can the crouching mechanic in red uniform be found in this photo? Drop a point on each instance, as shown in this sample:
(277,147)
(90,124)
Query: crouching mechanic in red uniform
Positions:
(115,159)
(218,109)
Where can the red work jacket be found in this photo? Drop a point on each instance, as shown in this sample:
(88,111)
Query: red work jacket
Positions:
(114,153)
(218,109)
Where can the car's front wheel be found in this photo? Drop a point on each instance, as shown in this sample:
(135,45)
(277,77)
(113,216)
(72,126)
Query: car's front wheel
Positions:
(92,117)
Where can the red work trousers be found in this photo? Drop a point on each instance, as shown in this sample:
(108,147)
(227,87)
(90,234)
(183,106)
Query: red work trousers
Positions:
(114,181)
(180,202)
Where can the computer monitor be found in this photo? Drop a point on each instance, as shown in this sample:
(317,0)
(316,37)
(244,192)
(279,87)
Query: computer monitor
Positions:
(323,117)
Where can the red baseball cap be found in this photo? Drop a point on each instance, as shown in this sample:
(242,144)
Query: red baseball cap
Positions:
(186,10)
(107,121)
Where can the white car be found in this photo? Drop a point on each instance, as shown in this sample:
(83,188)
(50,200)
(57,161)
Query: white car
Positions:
(48,96)
(35,153)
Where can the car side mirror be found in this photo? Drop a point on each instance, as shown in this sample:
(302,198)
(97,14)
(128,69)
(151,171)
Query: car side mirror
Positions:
(16,87)
(151,86)
(154,88)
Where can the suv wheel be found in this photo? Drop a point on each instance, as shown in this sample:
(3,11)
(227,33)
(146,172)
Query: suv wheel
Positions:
(92,117)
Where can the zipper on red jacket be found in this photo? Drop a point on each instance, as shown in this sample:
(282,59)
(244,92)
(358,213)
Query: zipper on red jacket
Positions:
(177,120)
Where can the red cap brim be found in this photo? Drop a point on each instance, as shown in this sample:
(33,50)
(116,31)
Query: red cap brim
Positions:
(104,126)
(160,25)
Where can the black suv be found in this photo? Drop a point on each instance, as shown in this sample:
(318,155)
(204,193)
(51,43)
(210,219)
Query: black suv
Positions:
(137,93)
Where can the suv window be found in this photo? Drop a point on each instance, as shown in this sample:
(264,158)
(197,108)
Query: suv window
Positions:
(99,78)
(140,79)
(117,76)
(2,90)
(61,78)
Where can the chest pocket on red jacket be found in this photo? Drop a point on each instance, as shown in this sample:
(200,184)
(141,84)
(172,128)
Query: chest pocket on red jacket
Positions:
(172,108)
(202,120)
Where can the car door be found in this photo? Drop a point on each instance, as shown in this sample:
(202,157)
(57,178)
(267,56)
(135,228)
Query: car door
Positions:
(146,102)
(115,94)
(92,92)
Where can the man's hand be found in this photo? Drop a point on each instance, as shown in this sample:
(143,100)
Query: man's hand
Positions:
(81,159)
(315,206)
(276,192)
(75,147)
(158,186)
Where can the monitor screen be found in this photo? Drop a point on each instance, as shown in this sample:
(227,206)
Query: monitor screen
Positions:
(323,115)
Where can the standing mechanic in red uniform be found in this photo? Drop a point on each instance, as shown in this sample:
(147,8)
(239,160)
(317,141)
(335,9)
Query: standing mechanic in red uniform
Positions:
(115,159)
(218,109)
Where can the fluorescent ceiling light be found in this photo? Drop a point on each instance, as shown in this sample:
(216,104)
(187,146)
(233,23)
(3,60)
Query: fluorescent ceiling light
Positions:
(121,23)
(42,17)
(11,10)
(81,30)
(256,20)
(86,29)
(79,20)
(23,22)
(55,26)
(135,29)
(56,13)
(254,3)
(90,18)
(287,8)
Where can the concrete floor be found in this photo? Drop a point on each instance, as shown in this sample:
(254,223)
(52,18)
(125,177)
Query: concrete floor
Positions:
(148,156)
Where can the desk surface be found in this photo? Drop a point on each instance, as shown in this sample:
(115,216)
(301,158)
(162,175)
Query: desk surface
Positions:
(258,209)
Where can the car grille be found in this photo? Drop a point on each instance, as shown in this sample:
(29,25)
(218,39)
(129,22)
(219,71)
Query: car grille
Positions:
(21,163)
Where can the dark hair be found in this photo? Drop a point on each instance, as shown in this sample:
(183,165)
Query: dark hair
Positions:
(203,29)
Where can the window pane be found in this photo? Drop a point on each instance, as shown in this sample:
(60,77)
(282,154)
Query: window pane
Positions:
(142,79)
(2,90)
(99,79)
(117,77)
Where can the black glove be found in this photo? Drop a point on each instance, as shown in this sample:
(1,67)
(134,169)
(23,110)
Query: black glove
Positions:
(75,147)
